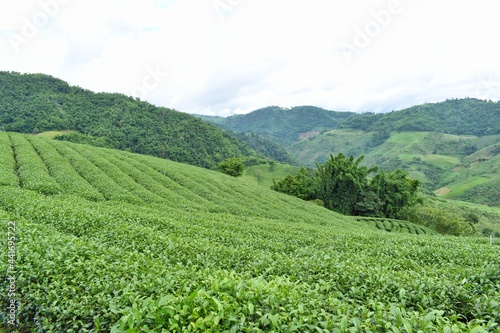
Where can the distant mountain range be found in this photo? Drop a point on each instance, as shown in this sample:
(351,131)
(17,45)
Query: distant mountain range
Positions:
(452,147)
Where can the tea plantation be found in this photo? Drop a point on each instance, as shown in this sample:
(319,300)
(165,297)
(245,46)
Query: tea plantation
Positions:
(98,240)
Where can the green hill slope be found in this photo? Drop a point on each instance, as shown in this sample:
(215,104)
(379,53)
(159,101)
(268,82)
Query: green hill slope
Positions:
(112,241)
(37,103)
(286,126)
(264,174)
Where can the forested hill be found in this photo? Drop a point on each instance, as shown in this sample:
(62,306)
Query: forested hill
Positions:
(31,103)
(286,126)
(468,116)
(282,125)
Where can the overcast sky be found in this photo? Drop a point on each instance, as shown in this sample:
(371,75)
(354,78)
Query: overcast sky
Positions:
(220,57)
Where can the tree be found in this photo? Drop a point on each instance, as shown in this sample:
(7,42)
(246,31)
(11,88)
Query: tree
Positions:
(397,192)
(342,183)
(301,185)
(232,166)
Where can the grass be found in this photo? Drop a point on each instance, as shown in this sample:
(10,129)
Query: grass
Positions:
(441,161)
(53,134)
(264,175)
(181,248)
(458,190)
(407,138)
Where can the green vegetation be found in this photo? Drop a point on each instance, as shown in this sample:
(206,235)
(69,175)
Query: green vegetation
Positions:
(283,126)
(342,184)
(443,221)
(467,116)
(459,116)
(8,176)
(267,147)
(392,225)
(265,174)
(232,166)
(443,145)
(180,248)
(39,103)
(485,217)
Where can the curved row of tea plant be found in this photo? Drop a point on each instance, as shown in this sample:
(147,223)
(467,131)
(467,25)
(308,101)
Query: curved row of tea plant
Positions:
(118,176)
(63,172)
(392,225)
(95,176)
(8,174)
(31,170)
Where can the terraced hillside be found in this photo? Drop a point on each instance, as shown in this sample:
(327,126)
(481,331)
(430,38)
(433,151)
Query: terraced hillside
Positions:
(101,240)
(462,167)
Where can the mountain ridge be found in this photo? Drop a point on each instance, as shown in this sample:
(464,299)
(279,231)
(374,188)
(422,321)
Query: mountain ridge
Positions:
(32,103)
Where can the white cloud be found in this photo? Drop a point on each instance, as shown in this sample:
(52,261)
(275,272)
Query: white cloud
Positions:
(233,56)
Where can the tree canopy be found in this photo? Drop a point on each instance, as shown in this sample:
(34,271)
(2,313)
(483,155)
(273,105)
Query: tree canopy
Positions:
(344,186)
(232,166)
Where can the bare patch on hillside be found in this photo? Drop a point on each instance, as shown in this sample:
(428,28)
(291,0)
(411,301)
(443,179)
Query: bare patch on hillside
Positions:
(308,135)
(443,191)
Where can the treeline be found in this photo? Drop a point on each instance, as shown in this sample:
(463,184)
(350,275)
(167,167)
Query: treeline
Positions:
(35,103)
(467,116)
(343,185)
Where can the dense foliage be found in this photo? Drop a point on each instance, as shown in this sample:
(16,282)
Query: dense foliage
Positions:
(37,103)
(344,186)
(232,166)
(468,116)
(265,146)
(171,247)
(281,125)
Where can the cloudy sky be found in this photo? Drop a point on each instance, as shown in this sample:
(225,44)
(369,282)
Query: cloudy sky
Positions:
(221,57)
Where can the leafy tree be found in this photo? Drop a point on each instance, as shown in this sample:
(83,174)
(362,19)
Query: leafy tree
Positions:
(232,166)
(369,204)
(301,185)
(396,192)
(342,182)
